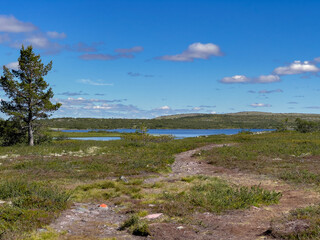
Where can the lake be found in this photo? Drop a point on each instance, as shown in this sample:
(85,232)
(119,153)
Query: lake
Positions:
(177,133)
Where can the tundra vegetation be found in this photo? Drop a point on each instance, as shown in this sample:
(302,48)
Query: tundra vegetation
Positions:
(53,175)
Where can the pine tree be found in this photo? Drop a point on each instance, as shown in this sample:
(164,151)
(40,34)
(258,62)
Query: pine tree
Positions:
(28,93)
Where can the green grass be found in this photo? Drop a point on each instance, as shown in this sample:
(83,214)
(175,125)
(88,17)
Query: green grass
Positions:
(83,160)
(136,226)
(215,195)
(62,135)
(289,156)
(87,167)
(105,190)
(29,205)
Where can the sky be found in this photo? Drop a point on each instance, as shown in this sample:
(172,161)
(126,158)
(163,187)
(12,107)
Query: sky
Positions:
(149,58)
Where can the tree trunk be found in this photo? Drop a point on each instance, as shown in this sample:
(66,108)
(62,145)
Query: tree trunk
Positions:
(30,135)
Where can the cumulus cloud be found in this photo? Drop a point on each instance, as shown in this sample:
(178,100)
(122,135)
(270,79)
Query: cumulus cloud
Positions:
(271,91)
(164,108)
(95,83)
(10,24)
(56,35)
(297,67)
(255,105)
(266,79)
(135,49)
(13,65)
(245,79)
(17,33)
(195,51)
(236,79)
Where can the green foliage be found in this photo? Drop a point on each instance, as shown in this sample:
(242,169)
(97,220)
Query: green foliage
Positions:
(136,226)
(215,195)
(283,126)
(245,120)
(29,95)
(11,133)
(305,126)
(33,205)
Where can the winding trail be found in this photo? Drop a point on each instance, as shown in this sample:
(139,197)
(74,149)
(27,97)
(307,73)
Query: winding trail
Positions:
(89,222)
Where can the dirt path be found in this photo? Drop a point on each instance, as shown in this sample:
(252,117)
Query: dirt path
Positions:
(88,221)
(247,224)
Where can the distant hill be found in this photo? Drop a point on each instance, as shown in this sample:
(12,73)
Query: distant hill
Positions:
(249,113)
(241,120)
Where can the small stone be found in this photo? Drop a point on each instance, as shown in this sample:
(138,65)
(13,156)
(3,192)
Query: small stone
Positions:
(122,178)
(151,205)
(180,227)
(153,216)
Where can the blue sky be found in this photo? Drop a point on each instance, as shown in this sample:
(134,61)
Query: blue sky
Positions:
(147,58)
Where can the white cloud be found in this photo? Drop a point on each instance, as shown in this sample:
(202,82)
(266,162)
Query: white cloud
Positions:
(164,108)
(245,79)
(12,25)
(95,83)
(266,79)
(56,35)
(38,41)
(195,51)
(13,65)
(197,108)
(317,59)
(260,105)
(297,67)
(235,79)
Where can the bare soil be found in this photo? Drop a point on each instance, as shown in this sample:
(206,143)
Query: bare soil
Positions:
(87,221)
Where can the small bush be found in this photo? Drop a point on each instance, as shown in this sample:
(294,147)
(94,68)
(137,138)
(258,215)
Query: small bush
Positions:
(136,226)
(34,204)
(305,126)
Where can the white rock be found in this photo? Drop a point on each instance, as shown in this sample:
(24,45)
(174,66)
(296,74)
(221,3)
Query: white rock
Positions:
(153,216)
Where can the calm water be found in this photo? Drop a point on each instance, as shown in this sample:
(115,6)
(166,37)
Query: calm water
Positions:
(177,133)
